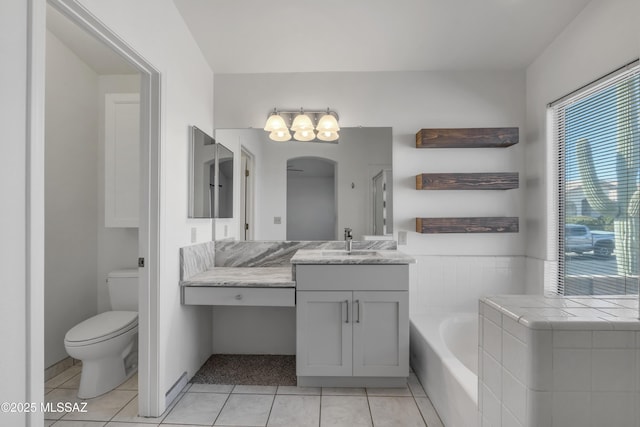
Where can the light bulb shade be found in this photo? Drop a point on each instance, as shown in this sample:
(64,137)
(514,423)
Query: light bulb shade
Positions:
(328,123)
(275,122)
(326,135)
(280,135)
(304,135)
(302,122)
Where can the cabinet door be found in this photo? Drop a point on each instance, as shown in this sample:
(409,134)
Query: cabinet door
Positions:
(122,146)
(381,334)
(324,333)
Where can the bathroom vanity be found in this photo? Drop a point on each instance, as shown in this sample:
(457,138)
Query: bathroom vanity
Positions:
(351,308)
(352,318)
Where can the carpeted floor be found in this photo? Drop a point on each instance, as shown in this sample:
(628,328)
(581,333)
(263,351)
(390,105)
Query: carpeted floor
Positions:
(247,370)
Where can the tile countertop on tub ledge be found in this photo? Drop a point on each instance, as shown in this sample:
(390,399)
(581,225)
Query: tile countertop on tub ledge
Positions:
(253,277)
(579,312)
(317,256)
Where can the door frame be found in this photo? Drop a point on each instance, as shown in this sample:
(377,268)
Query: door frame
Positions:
(150,399)
(247,194)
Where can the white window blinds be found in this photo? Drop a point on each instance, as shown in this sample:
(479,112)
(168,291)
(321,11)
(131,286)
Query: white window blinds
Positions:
(597,132)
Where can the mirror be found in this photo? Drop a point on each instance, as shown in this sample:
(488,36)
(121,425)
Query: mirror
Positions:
(224,184)
(211,177)
(332,184)
(202,175)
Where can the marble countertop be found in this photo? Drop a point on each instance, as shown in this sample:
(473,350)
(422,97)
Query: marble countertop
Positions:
(253,277)
(318,256)
(580,312)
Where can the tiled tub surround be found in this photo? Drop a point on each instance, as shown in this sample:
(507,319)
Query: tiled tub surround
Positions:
(559,361)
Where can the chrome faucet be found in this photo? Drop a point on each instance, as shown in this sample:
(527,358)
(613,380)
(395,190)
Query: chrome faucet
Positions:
(348,239)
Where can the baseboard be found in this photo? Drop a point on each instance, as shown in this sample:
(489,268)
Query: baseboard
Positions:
(59,367)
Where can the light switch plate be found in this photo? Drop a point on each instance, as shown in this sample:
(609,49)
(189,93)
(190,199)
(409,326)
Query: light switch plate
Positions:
(194,234)
(402,237)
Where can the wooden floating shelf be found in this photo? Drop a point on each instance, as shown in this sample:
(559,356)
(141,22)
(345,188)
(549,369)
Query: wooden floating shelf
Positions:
(467,225)
(467,137)
(467,181)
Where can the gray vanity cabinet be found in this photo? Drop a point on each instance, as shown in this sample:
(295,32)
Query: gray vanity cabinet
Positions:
(352,321)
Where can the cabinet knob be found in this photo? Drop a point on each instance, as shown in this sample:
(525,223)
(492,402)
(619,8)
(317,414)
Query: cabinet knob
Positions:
(239,297)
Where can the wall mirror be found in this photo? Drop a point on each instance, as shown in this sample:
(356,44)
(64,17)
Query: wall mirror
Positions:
(310,190)
(210,178)
(224,183)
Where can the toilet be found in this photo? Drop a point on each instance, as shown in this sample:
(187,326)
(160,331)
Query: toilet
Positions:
(107,344)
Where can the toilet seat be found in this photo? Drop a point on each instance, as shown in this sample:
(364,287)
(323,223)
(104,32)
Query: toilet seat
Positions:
(101,327)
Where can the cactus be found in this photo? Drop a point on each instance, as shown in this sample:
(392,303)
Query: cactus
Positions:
(624,209)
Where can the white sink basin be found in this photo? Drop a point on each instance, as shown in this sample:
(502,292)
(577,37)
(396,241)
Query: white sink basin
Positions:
(352,253)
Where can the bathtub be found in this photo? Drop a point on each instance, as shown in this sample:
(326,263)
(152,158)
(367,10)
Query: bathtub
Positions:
(444,356)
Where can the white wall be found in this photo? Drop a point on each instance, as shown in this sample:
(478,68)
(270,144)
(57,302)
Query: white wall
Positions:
(155,30)
(15,220)
(409,101)
(71,182)
(603,37)
(117,247)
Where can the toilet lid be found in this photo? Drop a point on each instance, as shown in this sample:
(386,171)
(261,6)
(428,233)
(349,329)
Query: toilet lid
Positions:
(103,326)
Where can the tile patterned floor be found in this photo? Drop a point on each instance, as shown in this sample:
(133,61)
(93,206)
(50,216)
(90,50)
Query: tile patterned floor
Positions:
(248,406)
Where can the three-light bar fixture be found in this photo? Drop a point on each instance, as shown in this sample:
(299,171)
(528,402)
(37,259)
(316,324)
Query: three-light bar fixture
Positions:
(305,125)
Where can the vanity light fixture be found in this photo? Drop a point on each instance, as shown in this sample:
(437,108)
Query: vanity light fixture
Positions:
(317,126)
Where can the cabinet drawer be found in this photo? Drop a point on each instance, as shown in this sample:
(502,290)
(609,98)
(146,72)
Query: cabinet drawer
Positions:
(203,295)
(384,277)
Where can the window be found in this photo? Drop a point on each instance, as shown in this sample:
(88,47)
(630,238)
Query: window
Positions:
(597,135)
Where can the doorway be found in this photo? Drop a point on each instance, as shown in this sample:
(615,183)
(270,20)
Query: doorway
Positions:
(311,199)
(149,397)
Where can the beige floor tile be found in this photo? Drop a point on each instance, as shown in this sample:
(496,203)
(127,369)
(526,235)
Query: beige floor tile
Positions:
(246,410)
(389,392)
(73,383)
(129,414)
(345,411)
(130,384)
(308,391)
(63,377)
(428,412)
(295,410)
(343,391)
(255,389)
(395,411)
(119,424)
(64,423)
(211,388)
(57,396)
(103,408)
(197,408)
(415,386)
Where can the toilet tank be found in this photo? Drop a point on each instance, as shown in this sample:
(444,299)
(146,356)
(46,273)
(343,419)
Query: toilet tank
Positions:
(123,289)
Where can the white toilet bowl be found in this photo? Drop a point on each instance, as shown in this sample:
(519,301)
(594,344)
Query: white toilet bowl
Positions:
(107,345)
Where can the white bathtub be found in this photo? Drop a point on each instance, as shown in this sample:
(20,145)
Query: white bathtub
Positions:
(444,356)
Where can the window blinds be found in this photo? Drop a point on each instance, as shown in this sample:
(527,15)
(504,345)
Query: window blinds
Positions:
(597,135)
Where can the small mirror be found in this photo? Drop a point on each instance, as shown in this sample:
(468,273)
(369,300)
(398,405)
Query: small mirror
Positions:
(225,182)
(202,175)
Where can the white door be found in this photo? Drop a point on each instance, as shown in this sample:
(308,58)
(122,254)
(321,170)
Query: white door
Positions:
(381,334)
(324,333)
